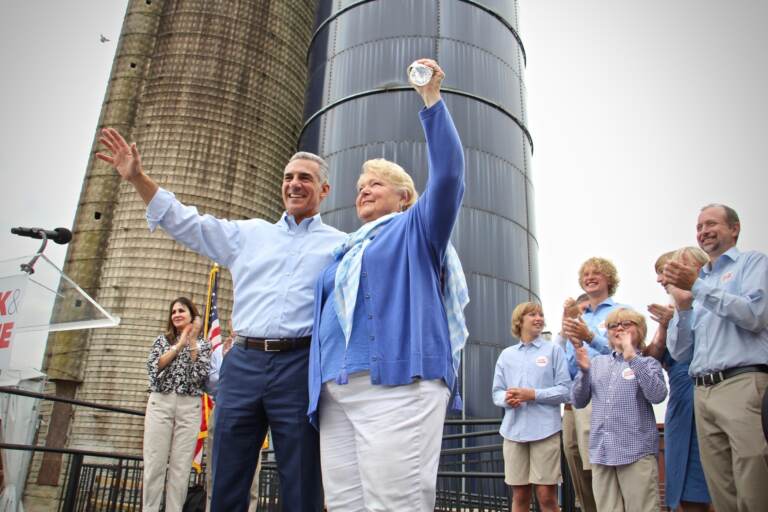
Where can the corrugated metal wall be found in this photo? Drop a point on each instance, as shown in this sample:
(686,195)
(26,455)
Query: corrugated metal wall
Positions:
(359,107)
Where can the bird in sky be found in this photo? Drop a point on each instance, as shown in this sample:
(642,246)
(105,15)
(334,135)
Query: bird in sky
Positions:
(102,38)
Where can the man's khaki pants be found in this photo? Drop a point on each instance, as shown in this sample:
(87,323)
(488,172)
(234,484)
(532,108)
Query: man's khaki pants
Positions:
(733,449)
(576,448)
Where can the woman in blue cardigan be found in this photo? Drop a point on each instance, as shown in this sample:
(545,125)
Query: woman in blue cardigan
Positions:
(389,328)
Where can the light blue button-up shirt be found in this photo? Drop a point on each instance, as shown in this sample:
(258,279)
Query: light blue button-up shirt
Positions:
(595,320)
(214,369)
(728,324)
(539,365)
(274,266)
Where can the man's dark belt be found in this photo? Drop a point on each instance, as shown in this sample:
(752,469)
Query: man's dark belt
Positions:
(711,379)
(273,344)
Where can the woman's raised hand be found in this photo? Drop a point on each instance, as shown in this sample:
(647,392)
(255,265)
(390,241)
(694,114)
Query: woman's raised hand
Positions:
(430,92)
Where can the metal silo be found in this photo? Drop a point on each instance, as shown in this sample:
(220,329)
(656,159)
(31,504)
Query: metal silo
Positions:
(359,106)
(212,92)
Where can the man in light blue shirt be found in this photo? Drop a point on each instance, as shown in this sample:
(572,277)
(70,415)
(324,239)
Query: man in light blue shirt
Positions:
(721,325)
(263,381)
(530,382)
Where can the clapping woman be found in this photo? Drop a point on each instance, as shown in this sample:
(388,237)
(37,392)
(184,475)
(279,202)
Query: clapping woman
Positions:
(178,370)
(685,488)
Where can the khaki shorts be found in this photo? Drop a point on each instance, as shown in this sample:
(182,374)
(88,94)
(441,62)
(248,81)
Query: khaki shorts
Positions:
(535,462)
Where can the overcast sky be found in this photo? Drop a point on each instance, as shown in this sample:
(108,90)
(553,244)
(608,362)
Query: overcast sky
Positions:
(641,112)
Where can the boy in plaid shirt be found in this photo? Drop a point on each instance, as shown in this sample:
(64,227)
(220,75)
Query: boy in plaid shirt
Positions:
(624,440)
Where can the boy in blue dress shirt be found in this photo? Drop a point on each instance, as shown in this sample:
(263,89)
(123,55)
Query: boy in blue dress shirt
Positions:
(530,383)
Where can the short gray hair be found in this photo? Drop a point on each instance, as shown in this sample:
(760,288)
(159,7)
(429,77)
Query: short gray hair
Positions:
(322,164)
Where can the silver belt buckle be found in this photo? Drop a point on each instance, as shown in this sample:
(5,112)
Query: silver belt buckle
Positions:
(266,345)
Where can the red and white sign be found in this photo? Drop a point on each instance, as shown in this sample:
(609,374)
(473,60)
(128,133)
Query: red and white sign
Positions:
(11,294)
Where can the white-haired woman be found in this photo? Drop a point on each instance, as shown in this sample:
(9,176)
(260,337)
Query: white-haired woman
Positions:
(388,325)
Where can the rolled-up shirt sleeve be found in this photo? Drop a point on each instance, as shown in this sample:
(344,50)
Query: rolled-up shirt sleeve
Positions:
(599,343)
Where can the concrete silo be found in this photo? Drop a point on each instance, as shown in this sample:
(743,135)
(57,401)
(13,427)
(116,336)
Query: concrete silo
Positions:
(212,92)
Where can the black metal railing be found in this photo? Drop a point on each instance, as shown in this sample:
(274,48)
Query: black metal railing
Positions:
(470,475)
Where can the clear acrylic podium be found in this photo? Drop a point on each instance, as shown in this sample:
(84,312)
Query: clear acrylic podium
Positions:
(48,301)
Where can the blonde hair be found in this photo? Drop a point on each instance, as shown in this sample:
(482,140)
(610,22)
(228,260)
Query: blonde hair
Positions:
(694,253)
(621,314)
(394,175)
(663,260)
(605,267)
(519,312)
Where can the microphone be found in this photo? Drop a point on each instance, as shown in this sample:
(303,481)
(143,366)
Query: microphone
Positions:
(59,235)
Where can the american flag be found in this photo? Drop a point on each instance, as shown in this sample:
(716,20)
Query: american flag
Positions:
(213,334)
(212,327)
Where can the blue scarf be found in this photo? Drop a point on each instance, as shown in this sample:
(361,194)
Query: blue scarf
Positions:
(455,292)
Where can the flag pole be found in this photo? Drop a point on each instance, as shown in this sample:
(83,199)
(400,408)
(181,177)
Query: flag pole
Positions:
(211,278)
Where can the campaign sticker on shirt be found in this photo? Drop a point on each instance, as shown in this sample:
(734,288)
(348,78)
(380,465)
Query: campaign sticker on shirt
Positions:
(601,326)
(628,373)
(542,361)
(726,277)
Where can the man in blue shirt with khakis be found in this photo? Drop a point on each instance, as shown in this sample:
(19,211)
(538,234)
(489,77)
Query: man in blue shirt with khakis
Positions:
(263,382)
(721,325)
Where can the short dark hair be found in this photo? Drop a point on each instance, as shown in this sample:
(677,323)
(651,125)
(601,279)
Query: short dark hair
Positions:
(581,298)
(170,331)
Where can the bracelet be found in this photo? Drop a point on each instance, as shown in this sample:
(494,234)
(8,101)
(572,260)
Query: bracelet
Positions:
(175,349)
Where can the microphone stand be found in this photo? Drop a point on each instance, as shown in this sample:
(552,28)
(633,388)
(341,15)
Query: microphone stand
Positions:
(29,267)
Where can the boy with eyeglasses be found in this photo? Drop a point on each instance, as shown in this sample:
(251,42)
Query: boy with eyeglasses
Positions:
(599,279)
(623,439)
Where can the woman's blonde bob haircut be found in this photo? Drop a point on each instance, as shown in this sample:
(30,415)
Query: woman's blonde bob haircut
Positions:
(621,314)
(694,255)
(605,267)
(394,175)
(519,312)
(663,260)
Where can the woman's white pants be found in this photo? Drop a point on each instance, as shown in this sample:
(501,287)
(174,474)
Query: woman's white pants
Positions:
(171,426)
(380,445)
